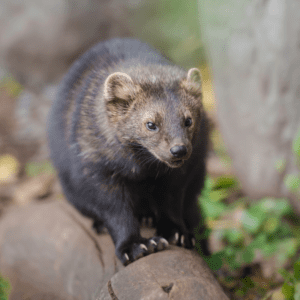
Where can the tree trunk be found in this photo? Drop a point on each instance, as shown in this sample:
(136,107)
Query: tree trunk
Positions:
(254,47)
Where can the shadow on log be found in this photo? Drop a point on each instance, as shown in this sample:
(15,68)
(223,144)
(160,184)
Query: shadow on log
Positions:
(49,251)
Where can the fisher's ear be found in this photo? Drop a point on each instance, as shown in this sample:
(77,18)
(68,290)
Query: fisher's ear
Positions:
(119,91)
(193,82)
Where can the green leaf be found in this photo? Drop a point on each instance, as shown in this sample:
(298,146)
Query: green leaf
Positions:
(215,261)
(230,251)
(33,169)
(265,205)
(288,291)
(271,225)
(252,220)
(283,207)
(279,207)
(234,235)
(218,195)
(297,270)
(212,209)
(297,291)
(225,182)
(258,210)
(248,255)
(296,144)
(4,288)
(233,262)
(280,165)
(292,182)
(286,231)
(240,293)
(289,246)
(248,282)
(11,86)
(286,249)
(270,248)
(259,241)
(287,276)
(208,183)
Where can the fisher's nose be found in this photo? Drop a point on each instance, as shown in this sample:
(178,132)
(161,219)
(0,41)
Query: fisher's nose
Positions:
(178,151)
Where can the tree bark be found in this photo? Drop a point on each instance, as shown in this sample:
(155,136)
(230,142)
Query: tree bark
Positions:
(254,50)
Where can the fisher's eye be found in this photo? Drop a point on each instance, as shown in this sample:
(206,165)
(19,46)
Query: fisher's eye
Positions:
(188,122)
(151,126)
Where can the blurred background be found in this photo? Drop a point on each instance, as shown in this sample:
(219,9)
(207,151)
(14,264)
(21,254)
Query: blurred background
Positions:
(249,56)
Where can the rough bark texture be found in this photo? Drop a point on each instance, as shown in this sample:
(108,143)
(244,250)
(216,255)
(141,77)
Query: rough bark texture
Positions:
(49,251)
(254,48)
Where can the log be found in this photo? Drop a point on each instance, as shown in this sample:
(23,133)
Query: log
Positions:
(49,251)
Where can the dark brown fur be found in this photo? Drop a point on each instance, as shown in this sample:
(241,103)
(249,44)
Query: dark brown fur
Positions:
(113,167)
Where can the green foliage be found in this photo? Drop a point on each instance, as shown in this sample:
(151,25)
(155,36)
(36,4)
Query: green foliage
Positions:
(214,261)
(291,286)
(264,230)
(225,182)
(296,144)
(173,27)
(4,288)
(246,284)
(247,232)
(292,181)
(12,87)
(33,169)
(280,165)
(259,227)
(213,192)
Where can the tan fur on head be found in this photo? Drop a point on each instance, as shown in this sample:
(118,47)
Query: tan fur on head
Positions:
(119,93)
(119,85)
(193,82)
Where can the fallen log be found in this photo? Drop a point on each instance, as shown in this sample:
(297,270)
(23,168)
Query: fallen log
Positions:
(49,251)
